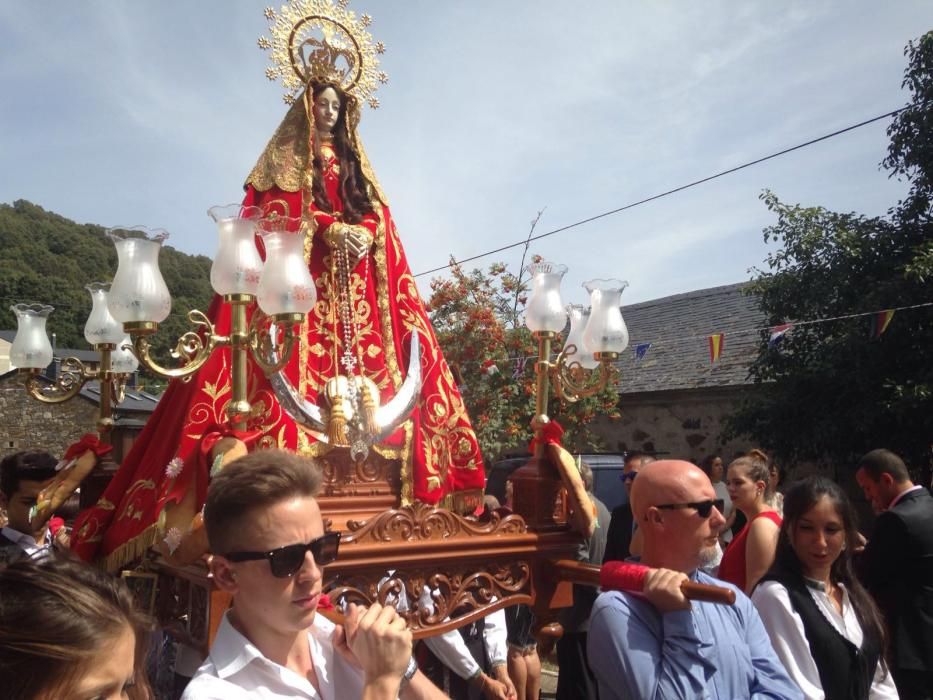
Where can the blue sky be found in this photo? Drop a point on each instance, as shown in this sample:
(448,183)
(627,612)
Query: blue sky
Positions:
(151,112)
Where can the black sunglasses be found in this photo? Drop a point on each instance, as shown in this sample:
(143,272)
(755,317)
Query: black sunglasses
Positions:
(703,508)
(286,561)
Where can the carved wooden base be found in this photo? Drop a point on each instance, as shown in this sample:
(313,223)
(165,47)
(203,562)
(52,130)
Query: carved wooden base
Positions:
(188,604)
(357,490)
(536,495)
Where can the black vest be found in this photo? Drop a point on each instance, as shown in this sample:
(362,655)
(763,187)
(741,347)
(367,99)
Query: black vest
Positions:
(846,672)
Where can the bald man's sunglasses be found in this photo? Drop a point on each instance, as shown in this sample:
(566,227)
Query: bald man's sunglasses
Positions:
(703,508)
(286,561)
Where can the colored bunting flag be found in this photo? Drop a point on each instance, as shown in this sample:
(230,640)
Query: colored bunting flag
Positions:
(716,341)
(778,333)
(520,363)
(880,322)
(641,350)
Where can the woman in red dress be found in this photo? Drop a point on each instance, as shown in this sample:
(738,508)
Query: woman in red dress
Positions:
(751,552)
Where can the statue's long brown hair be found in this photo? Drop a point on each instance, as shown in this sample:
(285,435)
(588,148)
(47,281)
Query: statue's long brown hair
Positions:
(354,187)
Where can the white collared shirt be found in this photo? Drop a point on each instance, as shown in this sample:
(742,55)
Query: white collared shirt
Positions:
(237,670)
(27,542)
(785,628)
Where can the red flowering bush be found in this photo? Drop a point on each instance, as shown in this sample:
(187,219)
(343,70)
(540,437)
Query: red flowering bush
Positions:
(478,319)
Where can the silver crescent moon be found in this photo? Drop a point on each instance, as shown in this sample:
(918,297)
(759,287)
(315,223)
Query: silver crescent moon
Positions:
(388,417)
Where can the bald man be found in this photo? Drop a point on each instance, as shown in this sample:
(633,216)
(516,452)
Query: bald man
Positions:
(659,645)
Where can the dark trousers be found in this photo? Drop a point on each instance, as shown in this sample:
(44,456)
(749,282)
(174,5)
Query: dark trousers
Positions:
(913,685)
(575,680)
(457,688)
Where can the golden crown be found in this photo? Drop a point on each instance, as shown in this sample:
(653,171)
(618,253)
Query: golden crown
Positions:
(323,41)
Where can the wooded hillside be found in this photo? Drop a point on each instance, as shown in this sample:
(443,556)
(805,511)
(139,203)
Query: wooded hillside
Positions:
(47,258)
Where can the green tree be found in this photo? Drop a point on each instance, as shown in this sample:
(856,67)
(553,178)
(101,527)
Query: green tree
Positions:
(829,392)
(477,317)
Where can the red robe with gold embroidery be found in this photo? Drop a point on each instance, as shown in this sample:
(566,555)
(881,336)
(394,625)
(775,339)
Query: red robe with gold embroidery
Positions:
(437,447)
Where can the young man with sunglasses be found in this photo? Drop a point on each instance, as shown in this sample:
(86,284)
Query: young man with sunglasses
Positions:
(656,644)
(269,548)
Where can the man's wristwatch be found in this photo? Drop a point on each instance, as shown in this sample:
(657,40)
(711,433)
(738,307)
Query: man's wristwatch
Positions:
(410,671)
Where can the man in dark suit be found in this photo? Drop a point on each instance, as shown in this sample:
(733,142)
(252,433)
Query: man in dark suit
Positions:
(619,536)
(897,567)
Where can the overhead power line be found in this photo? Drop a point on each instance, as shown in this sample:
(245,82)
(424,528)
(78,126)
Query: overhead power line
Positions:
(663,194)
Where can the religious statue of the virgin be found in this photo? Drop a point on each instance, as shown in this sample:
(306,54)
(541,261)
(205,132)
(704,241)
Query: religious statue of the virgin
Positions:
(356,345)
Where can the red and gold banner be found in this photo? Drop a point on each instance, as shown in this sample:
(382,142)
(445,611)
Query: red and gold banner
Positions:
(716,342)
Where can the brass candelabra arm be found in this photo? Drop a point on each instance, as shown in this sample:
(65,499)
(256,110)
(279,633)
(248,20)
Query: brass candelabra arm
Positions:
(191,348)
(272,350)
(118,386)
(572,381)
(72,376)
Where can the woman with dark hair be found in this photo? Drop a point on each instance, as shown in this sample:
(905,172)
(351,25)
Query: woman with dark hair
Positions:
(751,551)
(823,624)
(68,630)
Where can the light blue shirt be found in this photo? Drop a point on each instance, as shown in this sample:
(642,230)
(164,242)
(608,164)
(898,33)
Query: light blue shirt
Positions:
(720,652)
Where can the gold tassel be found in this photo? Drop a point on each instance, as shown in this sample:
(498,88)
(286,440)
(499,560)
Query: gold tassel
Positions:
(369,409)
(337,425)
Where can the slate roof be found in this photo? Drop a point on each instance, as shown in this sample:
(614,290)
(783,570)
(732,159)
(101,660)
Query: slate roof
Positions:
(135,401)
(678,328)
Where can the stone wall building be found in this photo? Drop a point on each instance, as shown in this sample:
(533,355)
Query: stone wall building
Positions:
(26,423)
(674,400)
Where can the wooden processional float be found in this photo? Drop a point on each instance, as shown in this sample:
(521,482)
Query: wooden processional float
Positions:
(392,547)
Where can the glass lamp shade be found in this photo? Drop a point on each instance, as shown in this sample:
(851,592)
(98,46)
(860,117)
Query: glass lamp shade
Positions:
(605,331)
(138,292)
(544,311)
(578,320)
(31,348)
(123,361)
(285,286)
(237,266)
(101,327)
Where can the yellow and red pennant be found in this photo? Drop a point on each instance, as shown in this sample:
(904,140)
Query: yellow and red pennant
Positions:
(880,322)
(716,342)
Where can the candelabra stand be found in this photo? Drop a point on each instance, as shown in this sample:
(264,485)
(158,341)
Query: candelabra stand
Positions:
(196,346)
(73,375)
(32,354)
(581,369)
(281,285)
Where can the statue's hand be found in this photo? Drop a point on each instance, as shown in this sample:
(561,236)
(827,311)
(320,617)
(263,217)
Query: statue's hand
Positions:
(354,239)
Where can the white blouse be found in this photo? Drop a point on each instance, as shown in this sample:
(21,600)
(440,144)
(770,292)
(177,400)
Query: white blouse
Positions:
(785,628)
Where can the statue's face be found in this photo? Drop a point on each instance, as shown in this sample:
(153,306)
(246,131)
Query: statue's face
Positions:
(326,110)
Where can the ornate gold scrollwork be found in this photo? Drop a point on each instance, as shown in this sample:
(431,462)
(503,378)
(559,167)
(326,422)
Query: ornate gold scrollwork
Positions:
(72,376)
(191,348)
(436,602)
(271,357)
(118,386)
(421,521)
(572,381)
